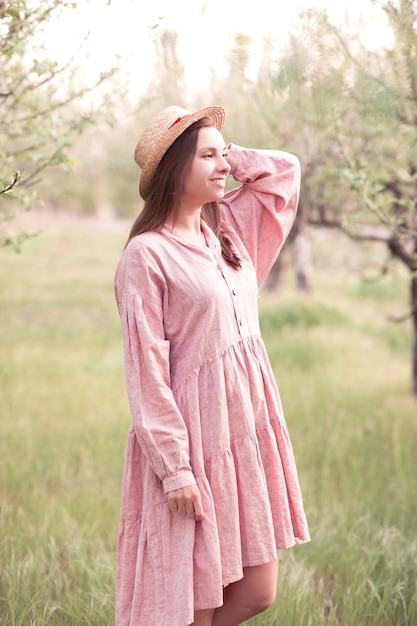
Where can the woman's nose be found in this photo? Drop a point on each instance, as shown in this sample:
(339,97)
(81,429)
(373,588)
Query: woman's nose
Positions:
(224,165)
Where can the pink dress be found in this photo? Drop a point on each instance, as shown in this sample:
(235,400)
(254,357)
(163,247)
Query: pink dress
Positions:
(205,406)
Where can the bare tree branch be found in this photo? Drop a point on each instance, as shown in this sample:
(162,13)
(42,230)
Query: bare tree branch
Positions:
(12,184)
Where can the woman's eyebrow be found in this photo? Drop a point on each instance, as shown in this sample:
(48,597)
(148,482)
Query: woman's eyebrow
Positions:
(214,148)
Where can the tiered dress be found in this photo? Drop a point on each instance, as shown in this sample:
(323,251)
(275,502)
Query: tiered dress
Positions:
(205,406)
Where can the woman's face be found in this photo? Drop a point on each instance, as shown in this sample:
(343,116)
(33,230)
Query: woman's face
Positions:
(206,178)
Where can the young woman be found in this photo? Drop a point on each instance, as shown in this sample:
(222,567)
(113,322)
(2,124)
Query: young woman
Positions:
(210,489)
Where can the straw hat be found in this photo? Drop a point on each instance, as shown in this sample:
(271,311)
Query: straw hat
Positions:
(161,133)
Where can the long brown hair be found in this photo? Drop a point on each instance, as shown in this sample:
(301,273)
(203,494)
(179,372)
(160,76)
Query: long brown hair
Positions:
(164,196)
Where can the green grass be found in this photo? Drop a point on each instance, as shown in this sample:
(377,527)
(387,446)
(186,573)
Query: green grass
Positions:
(344,376)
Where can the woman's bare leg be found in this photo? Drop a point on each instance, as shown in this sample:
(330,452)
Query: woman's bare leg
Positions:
(203,618)
(247,597)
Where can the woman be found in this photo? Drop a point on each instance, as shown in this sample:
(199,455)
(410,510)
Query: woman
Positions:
(210,489)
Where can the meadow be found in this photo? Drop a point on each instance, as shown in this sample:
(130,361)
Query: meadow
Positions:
(344,374)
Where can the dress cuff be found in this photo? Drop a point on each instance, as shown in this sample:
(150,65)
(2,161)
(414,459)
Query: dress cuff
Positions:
(183,479)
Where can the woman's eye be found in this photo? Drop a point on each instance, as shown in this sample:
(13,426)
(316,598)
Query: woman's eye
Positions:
(208,155)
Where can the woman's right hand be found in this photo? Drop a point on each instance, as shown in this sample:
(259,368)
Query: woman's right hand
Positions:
(186,501)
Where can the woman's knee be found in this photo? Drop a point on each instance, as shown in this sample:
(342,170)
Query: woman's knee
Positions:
(252,594)
(261,587)
(261,599)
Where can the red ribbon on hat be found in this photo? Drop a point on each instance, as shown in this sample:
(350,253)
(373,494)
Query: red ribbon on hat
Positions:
(177,120)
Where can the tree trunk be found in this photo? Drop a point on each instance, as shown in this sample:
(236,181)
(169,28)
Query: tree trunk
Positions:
(414,318)
(274,276)
(301,249)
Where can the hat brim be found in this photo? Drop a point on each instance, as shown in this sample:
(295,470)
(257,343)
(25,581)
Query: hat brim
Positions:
(215,112)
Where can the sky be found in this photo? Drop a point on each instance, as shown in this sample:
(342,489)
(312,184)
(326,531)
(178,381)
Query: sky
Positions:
(205,28)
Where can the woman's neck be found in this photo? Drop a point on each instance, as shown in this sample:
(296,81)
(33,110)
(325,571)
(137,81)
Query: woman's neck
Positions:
(188,225)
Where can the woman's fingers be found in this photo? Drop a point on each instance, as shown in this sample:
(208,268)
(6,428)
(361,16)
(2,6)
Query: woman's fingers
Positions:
(172,505)
(198,509)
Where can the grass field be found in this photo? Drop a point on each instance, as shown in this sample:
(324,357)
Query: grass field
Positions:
(344,376)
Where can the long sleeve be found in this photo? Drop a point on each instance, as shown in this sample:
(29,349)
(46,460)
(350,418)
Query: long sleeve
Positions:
(263,208)
(156,419)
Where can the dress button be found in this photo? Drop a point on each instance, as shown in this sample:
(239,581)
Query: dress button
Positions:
(234,292)
(241,322)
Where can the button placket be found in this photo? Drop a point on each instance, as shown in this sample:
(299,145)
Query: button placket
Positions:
(216,255)
(236,304)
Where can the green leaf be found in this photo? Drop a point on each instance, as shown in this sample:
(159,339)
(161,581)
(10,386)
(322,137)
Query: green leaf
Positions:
(14,12)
